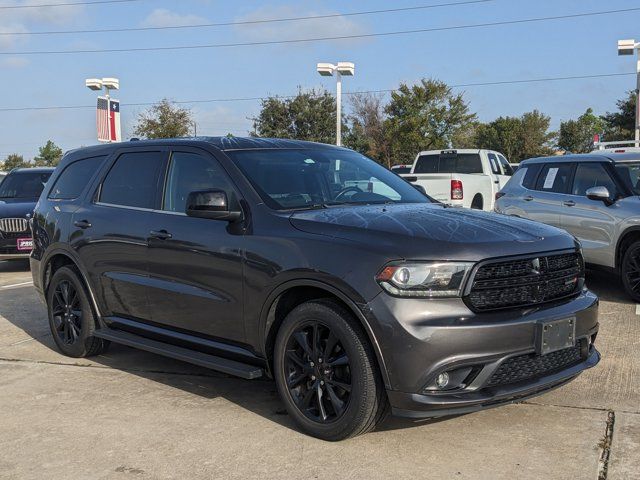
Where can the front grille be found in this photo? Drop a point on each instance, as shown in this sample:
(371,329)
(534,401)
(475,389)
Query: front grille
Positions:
(531,366)
(525,282)
(13,225)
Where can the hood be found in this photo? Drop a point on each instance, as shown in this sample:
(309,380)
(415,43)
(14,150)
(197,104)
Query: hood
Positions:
(17,207)
(434,231)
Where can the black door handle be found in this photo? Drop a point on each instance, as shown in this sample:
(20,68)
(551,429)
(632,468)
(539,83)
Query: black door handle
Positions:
(160,234)
(569,203)
(82,224)
(528,198)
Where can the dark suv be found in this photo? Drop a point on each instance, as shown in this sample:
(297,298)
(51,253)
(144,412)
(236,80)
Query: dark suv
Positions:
(316,266)
(19,192)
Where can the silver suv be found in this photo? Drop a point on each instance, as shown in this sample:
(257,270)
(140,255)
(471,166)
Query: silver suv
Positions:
(594,196)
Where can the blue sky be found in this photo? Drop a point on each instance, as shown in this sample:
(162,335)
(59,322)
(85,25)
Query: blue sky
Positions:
(579,46)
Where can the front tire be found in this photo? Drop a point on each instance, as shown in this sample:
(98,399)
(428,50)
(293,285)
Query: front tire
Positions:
(630,270)
(326,372)
(71,317)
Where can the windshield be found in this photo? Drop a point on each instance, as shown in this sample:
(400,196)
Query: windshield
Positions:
(311,178)
(629,173)
(23,184)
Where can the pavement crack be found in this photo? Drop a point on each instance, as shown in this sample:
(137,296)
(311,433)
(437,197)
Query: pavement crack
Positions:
(605,446)
(577,407)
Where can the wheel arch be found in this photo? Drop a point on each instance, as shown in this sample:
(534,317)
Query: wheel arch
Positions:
(630,235)
(293,293)
(478,196)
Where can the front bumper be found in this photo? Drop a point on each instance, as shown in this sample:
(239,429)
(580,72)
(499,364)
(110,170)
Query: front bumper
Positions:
(419,339)
(9,249)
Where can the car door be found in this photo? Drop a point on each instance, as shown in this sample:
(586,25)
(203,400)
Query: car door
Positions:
(110,232)
(544,203)
(591,221)
(195,264)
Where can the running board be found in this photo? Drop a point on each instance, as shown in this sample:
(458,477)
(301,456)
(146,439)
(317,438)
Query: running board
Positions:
(220,364)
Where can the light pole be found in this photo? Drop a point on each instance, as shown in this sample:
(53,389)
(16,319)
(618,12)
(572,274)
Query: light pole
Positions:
(629,47)
(98,84)
(328,70)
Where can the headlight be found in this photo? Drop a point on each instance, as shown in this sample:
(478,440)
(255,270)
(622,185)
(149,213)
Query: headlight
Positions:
(433,279)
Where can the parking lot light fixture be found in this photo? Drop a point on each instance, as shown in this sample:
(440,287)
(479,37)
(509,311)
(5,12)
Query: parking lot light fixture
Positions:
(97,84)
(340,69)
(629,47)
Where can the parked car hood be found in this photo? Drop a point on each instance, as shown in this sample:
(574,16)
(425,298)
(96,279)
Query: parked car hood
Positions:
(434,231)
(16,207)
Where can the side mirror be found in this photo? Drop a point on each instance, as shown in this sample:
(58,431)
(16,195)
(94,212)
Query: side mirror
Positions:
(600,194)
(420,188)
(212,204)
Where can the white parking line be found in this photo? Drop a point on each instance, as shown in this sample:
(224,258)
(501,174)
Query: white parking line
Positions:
(6,287)
(637,308)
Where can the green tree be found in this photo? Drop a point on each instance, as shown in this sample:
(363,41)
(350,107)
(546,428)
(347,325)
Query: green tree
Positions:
(576,136)
(310,115)
(49,155)
(366,133)
(425,116)
(13,161)
(164,120)
(517,137)
(620,125)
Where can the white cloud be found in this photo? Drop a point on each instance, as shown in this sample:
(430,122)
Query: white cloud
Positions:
(311,28)
(19,20)
(161,17)
(13,62)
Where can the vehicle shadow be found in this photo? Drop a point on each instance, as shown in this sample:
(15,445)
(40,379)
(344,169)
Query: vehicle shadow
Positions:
(607,286)
(257,396)
(10,266)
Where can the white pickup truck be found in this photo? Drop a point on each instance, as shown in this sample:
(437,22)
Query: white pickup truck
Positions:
(464,178)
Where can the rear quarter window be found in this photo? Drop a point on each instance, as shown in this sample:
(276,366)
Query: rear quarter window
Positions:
(74,178)
(532,171)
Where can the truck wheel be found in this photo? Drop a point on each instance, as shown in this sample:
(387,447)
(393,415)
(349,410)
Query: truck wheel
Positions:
(630,270)
(326,372)
(71,317)
(477,203)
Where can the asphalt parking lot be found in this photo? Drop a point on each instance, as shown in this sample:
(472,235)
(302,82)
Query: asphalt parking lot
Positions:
(131,414)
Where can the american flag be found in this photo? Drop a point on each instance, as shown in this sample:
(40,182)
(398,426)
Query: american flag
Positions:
(108,120)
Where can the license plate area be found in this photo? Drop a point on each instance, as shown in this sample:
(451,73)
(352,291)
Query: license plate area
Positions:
(24,244)
(556,335)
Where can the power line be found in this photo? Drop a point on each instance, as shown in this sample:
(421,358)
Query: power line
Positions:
(252,99)
(67,4)
(320,39)
(251,22)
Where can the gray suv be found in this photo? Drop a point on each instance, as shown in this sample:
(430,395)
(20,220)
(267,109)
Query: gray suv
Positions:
(594,197)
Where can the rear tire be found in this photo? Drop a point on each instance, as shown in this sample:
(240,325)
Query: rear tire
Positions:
(326,372)
(477,203)
(71,318)
(630,271)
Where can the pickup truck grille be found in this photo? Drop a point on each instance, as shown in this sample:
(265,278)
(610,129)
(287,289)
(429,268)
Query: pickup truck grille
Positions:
(13,225)
(525,282)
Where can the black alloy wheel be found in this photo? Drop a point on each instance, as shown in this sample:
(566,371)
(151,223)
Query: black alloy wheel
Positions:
(67,313)
(631,271)
(318,372)
(71,318)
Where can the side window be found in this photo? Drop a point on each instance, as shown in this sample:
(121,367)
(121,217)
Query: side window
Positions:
(529,180)
(74,178)
(191,172)
(133,180)
(590,175)
(506,167)
(493,161)
(554,178)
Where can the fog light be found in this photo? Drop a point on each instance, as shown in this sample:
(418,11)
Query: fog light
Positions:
(443,380)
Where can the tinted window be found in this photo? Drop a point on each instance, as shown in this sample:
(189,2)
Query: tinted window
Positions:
(24,184)
(449,163)
(319,177)
(531,175)
(401,169)
(133,179)
(191,172)
(590,175)
(554,178)
(506,166)
(74,178)
(629,174)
